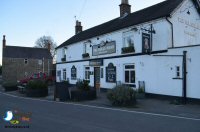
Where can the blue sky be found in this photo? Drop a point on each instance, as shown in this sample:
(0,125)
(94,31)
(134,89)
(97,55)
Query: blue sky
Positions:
(24,21)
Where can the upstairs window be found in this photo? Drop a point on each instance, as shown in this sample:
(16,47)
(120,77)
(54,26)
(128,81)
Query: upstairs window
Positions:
(25,61)
(64,52)
(128,39)
(86,48)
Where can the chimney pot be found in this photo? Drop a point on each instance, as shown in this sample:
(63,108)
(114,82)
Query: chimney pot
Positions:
(49,47)
(78,27)
(125,8)
(4,41)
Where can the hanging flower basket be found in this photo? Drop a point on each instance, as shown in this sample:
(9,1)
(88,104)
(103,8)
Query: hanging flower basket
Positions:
(129,49)
(86,55)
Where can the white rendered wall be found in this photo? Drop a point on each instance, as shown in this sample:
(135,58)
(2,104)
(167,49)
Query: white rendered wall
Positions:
(186,26)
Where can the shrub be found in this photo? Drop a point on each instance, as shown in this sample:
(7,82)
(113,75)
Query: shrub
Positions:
(37,84)
(10,86)
(83,85)
(141,90)
(128,49)
(122,96)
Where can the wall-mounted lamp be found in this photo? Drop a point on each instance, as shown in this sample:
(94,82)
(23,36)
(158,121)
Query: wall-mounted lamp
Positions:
(152,30)
(65,48)
(134,29)
(188,12)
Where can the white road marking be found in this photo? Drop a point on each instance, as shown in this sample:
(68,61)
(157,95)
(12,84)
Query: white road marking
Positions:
(105,108)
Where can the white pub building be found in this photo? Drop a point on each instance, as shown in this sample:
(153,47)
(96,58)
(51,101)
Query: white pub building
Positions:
(157,47)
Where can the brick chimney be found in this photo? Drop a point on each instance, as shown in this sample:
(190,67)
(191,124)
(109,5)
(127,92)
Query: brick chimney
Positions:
(49,47)
(78,27)
(124,7)
(4,41)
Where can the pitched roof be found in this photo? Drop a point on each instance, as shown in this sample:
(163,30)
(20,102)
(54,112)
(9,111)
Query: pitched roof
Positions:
(159,10)
(26,52)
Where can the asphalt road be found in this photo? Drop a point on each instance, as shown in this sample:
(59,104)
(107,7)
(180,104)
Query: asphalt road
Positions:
(62,117)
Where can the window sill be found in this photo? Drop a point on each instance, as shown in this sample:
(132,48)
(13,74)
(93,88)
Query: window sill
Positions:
(130,85)
(177,78)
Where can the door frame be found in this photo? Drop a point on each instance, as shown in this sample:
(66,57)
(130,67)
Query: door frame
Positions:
(95,77)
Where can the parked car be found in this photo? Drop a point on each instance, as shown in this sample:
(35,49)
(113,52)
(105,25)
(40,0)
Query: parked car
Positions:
(40,75)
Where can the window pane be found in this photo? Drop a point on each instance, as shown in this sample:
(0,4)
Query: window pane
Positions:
(129,67)
(132,76)
(87,68)
(126,76)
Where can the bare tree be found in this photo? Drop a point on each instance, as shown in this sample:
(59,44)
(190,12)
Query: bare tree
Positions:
(43,42)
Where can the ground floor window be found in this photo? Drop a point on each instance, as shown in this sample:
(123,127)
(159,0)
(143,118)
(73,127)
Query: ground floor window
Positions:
(87,73)
(64,74)
(129,72)
(178,71)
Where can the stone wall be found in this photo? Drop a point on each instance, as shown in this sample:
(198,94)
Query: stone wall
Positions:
(15,68)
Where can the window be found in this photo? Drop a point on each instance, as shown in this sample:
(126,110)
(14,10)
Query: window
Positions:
(64,74)
(87,73)
(39,62)
(178,72)
(64,52)
(86,48)
(129,74)
(128,39)
(25,61)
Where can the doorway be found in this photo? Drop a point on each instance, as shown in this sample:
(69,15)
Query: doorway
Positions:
(97,77)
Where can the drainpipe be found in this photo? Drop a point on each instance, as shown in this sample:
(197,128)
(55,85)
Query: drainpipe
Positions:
(184,77)
(172,29)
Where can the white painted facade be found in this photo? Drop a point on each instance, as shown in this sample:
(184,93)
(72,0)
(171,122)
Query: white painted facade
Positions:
(158,72)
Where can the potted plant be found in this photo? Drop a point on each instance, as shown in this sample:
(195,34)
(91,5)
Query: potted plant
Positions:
(129,49)
(85,55)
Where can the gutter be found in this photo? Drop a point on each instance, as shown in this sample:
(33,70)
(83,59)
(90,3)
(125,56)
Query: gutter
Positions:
(172,29)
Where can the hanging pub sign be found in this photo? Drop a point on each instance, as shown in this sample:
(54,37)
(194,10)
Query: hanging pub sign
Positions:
(146,43)
(73,73)
(111,73)
(106,48)
(98,62)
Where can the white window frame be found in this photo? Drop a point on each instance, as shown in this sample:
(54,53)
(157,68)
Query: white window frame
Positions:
(87,73)
(40,62)
(127,35)
(129,70)
(64,52)
(86,48)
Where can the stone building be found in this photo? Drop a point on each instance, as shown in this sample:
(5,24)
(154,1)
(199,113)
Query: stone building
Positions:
(21,62)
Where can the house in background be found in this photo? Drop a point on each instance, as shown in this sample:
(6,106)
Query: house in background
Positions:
(157,48)
(21,62)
